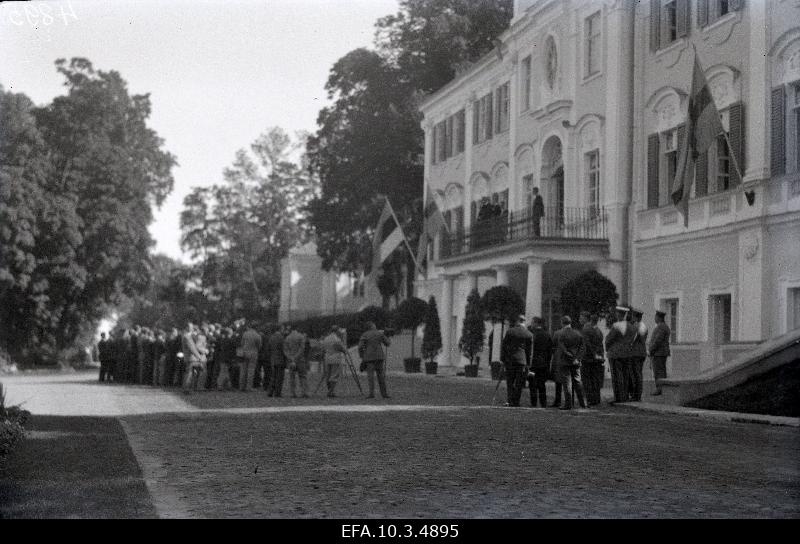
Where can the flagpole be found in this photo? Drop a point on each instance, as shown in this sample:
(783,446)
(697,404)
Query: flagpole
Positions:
(399,226)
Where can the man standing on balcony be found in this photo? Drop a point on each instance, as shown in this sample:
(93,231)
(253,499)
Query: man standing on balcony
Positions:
(659,350)
(537,212)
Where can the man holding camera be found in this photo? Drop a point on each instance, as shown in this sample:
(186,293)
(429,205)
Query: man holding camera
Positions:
(515,354)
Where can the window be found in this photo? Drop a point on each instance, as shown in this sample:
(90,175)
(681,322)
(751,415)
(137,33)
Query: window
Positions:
(670,165)
(460,130)
(723,164)
(795,123)
(793,307)
(448,137)
(669,23)
(526,83)
(592,44)
(720,318)
(722,8)
(503,108)
(482,120)
(527,183)
(593,181)
(670,307)
(551,63)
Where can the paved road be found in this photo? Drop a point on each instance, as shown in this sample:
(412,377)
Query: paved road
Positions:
(436,449)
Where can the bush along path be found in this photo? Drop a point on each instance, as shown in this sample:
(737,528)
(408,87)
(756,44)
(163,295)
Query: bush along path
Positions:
(12,430)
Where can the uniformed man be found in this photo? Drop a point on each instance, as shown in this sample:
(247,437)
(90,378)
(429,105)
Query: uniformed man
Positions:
(592,367)
(516,355)
(569,348)
(659,350)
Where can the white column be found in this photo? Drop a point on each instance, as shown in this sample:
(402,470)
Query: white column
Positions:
(502,275)
(756,148)
(445,317)
(533,295)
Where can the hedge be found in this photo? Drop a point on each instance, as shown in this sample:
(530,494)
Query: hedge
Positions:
(354,323)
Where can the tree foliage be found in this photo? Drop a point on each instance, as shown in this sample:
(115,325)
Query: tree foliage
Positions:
(238,231)
(591,292)
(78,180)
(410,314)
(432,337)
(501,303)
(473,328)
(369,143)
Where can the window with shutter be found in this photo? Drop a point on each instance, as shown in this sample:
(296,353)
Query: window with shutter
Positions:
(702,13)
(701,175)
(459,122)
(489,116)
(682,16)
(736,141)
(448,138)
(655,24)
(669,22)
(476,108)
(652,171)
(778,132)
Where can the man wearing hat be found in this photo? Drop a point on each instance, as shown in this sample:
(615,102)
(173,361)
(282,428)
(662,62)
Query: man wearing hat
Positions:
(659,350)
(637,356)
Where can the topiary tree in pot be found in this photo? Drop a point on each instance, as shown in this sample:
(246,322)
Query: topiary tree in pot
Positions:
(410,314)
(472,332)
(432,337)
(499,304)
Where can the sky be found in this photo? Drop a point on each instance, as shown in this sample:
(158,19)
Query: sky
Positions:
(219,73)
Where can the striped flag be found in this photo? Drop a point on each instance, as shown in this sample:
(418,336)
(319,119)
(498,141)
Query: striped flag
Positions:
(383,245)
(433,221)
(702,128)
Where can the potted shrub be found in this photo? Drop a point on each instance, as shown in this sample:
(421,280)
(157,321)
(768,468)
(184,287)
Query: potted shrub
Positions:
(472,333)
(431,337)
(410,314)
(500,304)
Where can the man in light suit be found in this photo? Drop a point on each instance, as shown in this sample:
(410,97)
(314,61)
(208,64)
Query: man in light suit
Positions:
(372,352)
(193,359)
(251,344)
(659,350)
(295,349)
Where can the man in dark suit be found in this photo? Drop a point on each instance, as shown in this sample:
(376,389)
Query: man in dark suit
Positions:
(373,354)
(103,353)
(570,348)
(659,350)
(592,369)
(537,212)
(637,357)
(250,344)
(516,355)
(540,362)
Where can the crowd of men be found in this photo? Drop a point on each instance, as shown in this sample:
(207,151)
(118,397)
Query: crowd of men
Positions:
(213,357)
(575,359)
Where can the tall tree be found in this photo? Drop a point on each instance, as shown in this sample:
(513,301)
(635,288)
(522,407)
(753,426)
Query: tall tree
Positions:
(369,143)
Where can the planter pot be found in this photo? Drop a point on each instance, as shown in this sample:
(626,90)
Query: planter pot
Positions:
(497,370)
(471,371)
(412,365)
(431,367)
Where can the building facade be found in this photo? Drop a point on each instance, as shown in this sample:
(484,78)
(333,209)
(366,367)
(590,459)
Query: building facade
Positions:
(307,290)
(586,101)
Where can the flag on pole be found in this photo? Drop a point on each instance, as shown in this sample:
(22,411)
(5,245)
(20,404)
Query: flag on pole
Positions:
(432,222)
(703,125)
(384,245)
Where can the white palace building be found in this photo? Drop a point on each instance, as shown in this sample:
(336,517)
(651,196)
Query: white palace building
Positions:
(587,100)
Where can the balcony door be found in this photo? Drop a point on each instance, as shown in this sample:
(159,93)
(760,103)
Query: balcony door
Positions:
(552,182)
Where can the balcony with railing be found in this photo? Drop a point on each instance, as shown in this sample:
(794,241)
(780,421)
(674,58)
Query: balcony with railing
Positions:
(558,223)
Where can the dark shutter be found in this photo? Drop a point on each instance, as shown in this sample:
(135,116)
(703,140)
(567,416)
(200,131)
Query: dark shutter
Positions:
(447,219)
(473,212)
(476,111)
(652,171)
(736,141)
(489,116)
(701,175)
(735,5)
(702,13)
(655,24)
(778,133)
(682,7)
(681,135)
(459,218)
